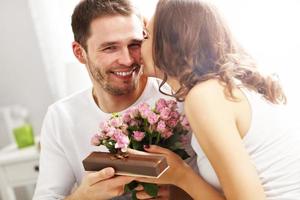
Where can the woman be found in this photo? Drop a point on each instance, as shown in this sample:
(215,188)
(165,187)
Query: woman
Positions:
(246,149)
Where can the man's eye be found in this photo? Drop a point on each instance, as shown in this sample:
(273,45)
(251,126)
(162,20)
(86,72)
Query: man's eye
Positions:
(135,46)
(110,48)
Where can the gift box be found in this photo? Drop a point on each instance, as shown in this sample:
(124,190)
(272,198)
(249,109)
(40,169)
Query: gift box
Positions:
(130,165)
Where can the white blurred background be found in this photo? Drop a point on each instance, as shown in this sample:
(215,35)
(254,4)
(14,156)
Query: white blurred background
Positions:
(37,66)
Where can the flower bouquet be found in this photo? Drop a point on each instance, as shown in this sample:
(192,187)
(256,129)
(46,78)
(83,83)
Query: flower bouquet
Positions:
(142,125)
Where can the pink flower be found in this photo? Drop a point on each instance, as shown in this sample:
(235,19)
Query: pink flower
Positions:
(144,109)
(134,112)
(116,122)
(172,122)
(133,123)
(165,113)
(184,139)
(110,132)
(160,104)
(161,126)
(126,117)
(104,126)
(172,104)
(175,115)
(130,114)
(185,123)
(122,141)
(152,117)
(167,134)
(124,129)
(96,140)
(143,124)
(143,106)
(138,135)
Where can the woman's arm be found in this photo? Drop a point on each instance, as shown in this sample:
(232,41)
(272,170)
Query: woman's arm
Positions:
(214,123)
(181,175)
(213,119)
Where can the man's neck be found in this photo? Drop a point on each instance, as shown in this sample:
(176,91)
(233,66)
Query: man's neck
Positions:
(111,103)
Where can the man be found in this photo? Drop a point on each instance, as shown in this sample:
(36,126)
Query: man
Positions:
(108,35)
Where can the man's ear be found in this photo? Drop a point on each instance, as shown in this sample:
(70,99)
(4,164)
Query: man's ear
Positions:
(79,52)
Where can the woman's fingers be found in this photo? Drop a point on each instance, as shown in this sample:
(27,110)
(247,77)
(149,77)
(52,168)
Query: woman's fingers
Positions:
(163,193)
(156,149)
(139,188)
(136,152)
(146,180)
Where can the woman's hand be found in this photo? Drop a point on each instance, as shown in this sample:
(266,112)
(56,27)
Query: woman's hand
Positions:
(177,167)
(163,193)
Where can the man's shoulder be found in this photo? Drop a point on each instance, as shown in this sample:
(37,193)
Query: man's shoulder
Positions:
(74,100)
(152,93)
(154,88)
(156,83)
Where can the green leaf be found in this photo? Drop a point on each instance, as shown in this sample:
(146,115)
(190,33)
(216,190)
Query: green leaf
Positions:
(115,115)
(130,186)
(133,195)
(133,128)
(172,140)
(150,188)
(136,145)
(182,153)
(157,137)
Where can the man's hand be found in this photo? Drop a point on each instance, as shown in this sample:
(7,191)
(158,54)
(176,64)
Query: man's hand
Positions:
(100,185)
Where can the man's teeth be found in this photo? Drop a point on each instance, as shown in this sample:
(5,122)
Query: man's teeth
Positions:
(123,73)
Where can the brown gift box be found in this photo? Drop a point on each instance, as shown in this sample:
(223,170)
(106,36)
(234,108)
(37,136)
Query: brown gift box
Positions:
(132,165)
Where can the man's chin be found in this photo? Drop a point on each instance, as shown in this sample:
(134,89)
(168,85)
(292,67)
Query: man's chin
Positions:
(120,91)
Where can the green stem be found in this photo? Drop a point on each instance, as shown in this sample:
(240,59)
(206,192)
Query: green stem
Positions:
(157,139)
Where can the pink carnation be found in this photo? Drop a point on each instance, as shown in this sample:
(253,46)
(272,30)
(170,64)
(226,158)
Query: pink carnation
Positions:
(144,110)
(96,140)
(152,117)
(126,117)
(133,123)
(134,112)
(161,104)
(172,104)
(143,125)
(172,122)
(110,132)
(184,139)
(185,123)
(122,141)
(167,134)
(165,113)
(104,126)
(130,114)
(161,126)
(138,135)
(175,115)
(116,122)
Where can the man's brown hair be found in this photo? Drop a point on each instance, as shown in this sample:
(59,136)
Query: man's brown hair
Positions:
(88,10)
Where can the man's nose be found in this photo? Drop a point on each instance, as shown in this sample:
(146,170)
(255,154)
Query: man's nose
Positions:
(125,57)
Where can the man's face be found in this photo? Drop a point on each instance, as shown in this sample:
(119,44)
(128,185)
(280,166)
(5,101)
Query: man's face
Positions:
(113,53)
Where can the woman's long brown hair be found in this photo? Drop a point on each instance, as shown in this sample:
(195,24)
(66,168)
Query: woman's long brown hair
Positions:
(192,43)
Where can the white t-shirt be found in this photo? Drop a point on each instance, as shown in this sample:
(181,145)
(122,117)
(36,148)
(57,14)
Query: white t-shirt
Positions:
(65,140)
(273,143)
